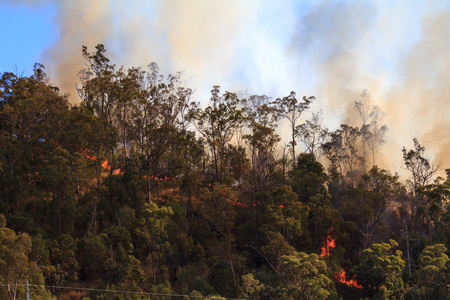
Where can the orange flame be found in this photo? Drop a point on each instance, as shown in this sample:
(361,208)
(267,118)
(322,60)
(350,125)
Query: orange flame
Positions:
(117,172)
(341,277)
(86,154)
(165,178)
(106,165)
(330,243)
(236,202)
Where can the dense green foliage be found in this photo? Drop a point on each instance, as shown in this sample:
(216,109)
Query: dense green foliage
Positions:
(139,189)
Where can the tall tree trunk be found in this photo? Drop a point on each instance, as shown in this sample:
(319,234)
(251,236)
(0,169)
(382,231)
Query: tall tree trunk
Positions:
(77,189)
(157,188)
(216,163)
(293,146)
(94,217)
(124,133)
(407,246)
(231,264)
(59,213)
(253,189)
(94,213)
(149,197)
(373,157)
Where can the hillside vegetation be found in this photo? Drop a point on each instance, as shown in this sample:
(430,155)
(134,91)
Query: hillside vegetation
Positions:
(137,188)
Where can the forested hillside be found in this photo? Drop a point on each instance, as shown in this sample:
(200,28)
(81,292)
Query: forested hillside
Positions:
(138,188)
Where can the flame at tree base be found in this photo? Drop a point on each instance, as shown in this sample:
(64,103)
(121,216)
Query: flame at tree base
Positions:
(330,243)
(341,277)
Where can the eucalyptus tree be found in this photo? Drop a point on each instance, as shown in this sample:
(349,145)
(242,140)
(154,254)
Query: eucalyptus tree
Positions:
(98,84)
(99,92)
(433,274)
(158,123)
(81,137)
(217,211)
(152,236)
(14,262)
(128,94)
(421,194)
(385,263)
(291,109)
(376,131)
(262,140)
(434,208)
(418,165)
(218,124)
(364,106)
(367,203)
(31,117)
(343,152)
(57,178)
(39,74)
(372,129)
(307,275)
(312,134)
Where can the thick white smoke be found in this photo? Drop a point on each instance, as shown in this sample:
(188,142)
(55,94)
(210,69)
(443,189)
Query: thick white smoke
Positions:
(331,49)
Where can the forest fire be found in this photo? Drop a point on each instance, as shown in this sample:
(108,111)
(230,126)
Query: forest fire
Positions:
(341,277)
(87,154)
(168,160)
(235,202)
(105,164)
(117,172)
(330,243)
(165,178)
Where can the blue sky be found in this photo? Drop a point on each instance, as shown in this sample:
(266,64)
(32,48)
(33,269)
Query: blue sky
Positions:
(26,32)
(397,50)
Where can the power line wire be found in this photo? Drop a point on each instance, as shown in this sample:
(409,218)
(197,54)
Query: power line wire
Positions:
(118,291)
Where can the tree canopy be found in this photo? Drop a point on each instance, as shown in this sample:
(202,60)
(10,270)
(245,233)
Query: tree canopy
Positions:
(140,191)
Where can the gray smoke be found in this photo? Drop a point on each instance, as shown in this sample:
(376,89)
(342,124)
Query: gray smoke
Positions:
(333,50)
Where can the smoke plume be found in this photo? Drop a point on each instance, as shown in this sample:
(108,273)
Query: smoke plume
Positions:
(333,50)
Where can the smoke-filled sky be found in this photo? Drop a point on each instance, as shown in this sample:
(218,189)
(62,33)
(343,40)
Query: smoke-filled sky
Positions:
(398,50)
